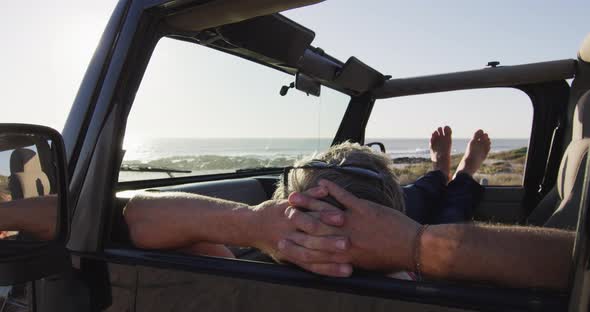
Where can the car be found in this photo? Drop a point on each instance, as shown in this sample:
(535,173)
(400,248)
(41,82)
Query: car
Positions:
(91,264)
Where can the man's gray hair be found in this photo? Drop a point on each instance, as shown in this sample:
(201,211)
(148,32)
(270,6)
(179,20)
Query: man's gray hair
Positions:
(386,191)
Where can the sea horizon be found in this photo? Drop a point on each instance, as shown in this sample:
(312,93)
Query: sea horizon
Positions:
(148,149)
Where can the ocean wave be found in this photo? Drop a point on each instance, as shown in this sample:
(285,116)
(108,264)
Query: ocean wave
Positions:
(217,162)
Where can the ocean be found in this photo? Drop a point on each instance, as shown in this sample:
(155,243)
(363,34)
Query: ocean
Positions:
(157,148)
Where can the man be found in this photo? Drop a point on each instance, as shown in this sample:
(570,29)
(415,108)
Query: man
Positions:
(328,241)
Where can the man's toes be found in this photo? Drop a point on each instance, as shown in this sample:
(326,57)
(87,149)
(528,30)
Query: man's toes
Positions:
(440,131)
(433,138)
(448,131)
(478,135)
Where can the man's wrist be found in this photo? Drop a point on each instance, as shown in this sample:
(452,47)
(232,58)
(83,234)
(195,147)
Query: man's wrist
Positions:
(417,250)
(247,223)
(438,245)
(401,250)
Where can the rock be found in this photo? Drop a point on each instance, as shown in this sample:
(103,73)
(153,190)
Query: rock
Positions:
(410,160)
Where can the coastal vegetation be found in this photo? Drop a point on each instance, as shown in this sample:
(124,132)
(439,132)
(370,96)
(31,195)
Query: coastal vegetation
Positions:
(500,168)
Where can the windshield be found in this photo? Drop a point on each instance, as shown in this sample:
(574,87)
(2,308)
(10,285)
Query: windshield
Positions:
(205,112)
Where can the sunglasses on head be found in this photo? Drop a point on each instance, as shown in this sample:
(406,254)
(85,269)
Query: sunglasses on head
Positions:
(350,169)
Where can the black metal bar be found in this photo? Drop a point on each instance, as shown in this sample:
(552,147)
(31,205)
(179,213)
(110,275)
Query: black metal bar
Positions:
(504,76)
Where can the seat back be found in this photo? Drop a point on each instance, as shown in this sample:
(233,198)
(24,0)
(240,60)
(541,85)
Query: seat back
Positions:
(570,182)
(27,179)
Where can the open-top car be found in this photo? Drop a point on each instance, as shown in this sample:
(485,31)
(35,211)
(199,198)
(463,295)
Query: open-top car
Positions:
(225,53)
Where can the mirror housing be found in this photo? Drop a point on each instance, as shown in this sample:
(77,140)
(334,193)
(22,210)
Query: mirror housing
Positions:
(307,84)
(33,254)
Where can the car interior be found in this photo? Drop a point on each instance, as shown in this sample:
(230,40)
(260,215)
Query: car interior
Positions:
(549,196)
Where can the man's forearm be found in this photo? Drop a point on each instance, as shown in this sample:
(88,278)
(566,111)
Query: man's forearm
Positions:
(11,216)
(510,255)
(36,216)
(174,220)
(179,220)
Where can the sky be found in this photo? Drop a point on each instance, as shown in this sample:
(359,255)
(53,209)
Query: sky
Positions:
(188,91)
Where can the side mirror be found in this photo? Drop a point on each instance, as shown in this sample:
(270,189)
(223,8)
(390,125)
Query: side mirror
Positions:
(34,221)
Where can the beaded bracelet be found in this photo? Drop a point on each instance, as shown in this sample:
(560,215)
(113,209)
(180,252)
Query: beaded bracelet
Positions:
(417,263)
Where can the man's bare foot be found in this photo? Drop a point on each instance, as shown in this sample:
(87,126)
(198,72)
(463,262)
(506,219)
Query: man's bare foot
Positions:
(477,151)
(440,150)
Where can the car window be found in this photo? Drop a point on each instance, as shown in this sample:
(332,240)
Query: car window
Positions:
(404,125)
(199,111)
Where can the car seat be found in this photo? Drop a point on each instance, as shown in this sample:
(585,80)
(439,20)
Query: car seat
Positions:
(27,179)
(560,207)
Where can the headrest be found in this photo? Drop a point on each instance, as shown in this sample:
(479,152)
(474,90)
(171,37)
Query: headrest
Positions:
(24,160)
(572,166)
(584,53)
(30,184)
(581,121)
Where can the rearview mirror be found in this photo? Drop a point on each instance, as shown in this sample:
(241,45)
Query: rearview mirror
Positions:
(307,84)
(377,146)
(33,203)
